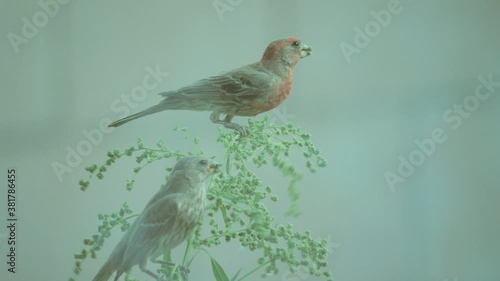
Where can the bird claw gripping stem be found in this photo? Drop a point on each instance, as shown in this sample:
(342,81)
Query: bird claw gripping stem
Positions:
(226,122)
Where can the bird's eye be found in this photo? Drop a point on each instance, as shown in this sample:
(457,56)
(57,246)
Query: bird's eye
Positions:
(295,43)
(203,162)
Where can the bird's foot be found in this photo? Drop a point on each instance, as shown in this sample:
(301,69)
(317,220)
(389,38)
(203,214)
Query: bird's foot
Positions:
(175,270)
(185,270)
(244,132)
(226,122)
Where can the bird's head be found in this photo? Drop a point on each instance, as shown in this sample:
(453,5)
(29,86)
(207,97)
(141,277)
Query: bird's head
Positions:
(289,50)
(197,167)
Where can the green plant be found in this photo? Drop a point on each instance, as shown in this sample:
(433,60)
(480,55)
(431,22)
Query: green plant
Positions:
(236,196)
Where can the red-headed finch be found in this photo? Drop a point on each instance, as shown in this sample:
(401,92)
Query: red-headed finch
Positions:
(166,221)
(245,91)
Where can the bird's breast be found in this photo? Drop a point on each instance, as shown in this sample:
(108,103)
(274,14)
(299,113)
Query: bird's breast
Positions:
(191,209)
(280,94)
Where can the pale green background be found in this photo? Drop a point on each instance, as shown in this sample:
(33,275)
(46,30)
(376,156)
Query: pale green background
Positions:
(441,223)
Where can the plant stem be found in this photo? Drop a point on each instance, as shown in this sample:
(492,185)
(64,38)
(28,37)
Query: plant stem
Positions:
(254,270)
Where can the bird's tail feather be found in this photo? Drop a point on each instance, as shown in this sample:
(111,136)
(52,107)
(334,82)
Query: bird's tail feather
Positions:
(106,271)
(169,103)
(112,264)
(151,110)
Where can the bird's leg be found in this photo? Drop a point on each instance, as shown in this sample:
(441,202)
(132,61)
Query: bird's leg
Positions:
(143,268)
(226,122)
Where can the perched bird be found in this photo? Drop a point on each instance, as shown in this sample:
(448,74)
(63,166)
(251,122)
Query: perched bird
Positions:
(166,221)
(245,91)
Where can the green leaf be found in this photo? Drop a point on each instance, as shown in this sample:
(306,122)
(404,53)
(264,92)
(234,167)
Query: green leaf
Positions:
(219,273)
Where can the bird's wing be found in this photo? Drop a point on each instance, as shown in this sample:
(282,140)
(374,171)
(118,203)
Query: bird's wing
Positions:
(150,227)
(245,82)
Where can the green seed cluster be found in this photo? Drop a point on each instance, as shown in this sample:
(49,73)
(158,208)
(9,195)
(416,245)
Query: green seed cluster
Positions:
(272,144)
(237,198)
(93,244)
(145,157)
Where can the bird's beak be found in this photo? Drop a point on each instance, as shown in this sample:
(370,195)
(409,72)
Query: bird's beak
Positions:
(305,51)
(213,168)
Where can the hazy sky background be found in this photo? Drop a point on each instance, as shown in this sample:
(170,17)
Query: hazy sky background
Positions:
(363,111)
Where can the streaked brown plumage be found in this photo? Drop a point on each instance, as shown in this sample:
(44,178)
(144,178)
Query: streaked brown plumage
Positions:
(166,221)
(245,91)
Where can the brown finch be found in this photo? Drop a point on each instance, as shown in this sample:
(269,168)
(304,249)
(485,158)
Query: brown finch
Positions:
(245,91)
(166,221)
